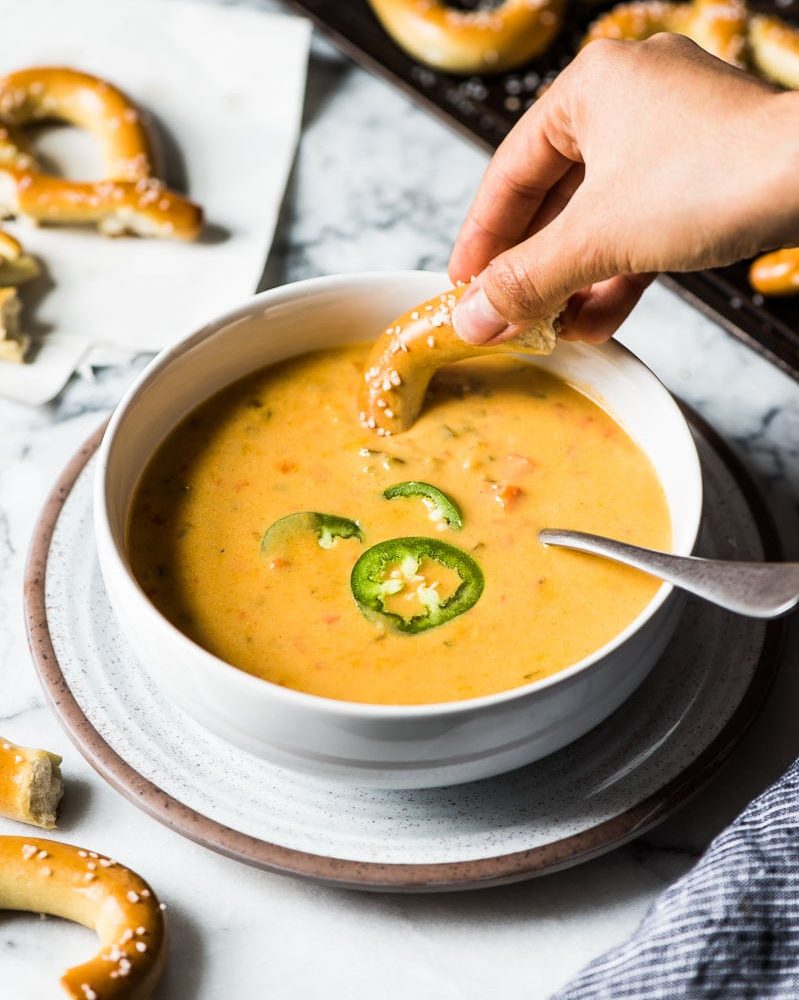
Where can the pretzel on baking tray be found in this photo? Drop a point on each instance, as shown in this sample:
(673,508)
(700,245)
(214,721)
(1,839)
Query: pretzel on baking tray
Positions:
(776,273)
(16,266)
(45,876)
(418,343)
(488,40)
(130,198)
(774,50)
(719,26)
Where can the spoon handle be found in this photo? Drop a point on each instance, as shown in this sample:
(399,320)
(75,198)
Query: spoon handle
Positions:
(756,589)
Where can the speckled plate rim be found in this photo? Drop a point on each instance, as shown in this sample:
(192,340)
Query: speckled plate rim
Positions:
(457,875)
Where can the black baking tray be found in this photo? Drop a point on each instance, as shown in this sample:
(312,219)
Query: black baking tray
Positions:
(485,108)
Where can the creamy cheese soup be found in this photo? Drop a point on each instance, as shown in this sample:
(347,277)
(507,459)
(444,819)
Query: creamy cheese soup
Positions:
(511,448)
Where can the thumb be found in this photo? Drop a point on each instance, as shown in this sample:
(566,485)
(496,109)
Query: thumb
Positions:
(532,280)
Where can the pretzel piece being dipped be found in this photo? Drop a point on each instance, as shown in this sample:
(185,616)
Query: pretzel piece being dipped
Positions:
(44,876)
(718,26)
(491,39)
(415,346)
(129,199)
(30,784)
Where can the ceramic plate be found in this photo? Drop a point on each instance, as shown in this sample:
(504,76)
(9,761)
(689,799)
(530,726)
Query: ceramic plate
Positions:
(617,781)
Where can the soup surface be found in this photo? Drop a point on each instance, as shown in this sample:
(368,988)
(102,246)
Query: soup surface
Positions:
(516,449)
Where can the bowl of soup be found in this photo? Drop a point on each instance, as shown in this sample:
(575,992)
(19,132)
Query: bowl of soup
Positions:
(379,609)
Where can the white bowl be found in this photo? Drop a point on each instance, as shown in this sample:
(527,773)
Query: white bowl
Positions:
(404,746)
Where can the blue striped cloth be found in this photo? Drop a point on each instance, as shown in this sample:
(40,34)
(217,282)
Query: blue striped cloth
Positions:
(728,929)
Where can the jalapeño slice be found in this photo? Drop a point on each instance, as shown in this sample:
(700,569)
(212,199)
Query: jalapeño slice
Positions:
(391,567)
(328,527)
(441,506)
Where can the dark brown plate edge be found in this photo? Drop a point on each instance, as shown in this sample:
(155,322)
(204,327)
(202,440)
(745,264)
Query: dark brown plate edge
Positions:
(458,875)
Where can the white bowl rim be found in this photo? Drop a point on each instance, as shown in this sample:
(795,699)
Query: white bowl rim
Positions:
(365,710)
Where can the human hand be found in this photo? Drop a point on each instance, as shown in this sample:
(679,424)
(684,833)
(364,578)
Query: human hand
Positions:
(641,157)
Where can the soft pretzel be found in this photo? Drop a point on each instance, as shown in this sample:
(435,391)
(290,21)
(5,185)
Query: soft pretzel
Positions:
(16,266)
(774,50)
(414,346)
(44,876)
(776,273)
(129,199)
(766,45)
(13,343)
(458,41)
(30,783)
(719,26)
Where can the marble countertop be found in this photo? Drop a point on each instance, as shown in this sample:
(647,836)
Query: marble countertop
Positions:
(380,184)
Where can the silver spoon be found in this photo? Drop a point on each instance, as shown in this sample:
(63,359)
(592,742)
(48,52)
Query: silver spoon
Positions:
(756,589)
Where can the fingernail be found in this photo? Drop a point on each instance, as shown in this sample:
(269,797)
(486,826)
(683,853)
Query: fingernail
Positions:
(474,318)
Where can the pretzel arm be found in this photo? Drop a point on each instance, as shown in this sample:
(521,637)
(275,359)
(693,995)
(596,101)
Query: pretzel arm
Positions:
(44,876)
(16,267)
(54,92)
(144,207)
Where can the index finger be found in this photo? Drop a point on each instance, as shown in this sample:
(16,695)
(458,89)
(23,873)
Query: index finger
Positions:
(534,156)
